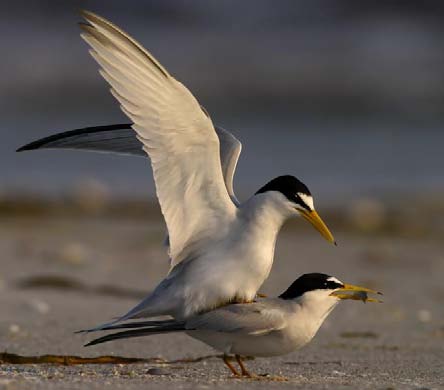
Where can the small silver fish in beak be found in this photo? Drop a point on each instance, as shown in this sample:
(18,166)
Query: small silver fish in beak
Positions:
(357,293)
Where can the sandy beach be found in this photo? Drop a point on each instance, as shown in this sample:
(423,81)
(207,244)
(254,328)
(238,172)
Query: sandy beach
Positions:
(347,96)
(63,273)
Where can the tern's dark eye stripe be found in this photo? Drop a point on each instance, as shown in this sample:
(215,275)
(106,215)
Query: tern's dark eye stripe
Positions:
(332,285)
(297,199)
(310,282)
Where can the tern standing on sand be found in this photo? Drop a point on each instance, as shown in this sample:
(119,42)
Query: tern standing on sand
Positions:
(269,327)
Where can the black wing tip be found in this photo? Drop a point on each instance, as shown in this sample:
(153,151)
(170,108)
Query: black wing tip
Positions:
(40,142)
(101,340)
(109,337)
(55,137)
(31,146)
(171,327)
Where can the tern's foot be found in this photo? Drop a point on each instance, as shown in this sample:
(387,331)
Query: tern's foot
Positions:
(262,377)
(273,378)
(247,374)
(247,377)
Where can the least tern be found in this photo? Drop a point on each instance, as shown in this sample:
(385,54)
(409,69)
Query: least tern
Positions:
(267,327)
(220,250)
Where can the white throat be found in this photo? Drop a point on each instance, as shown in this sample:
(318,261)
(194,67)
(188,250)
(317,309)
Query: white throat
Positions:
(316,306)
(260,219)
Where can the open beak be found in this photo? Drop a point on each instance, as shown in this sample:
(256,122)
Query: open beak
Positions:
(356,293)
(314,218)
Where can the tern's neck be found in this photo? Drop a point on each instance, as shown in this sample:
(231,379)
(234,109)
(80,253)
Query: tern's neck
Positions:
(315,309)
(264,215)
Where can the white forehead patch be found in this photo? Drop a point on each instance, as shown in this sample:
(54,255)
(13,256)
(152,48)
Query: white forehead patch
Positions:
(307,199)
(333,279)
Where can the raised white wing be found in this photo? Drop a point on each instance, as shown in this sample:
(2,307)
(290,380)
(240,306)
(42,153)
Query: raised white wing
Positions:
(122,139)
(179,138)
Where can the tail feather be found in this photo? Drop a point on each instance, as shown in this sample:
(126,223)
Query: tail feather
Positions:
(154,305)
(129,325)
(107,325)
(169,327)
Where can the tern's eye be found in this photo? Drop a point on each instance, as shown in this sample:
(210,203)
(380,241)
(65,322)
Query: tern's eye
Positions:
(332,285)
(298,200)
(304,200)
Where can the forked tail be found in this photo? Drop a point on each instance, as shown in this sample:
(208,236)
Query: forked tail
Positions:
(140,329)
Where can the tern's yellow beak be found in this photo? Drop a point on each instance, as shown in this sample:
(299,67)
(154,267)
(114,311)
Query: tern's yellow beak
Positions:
(356,293)
(314,218)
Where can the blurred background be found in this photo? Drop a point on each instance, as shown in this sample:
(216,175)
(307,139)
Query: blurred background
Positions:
(348,96)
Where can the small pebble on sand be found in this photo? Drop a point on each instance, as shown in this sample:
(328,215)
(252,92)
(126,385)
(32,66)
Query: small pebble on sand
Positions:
(158,371)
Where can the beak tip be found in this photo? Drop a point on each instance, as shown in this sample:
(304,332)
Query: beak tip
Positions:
(335,243)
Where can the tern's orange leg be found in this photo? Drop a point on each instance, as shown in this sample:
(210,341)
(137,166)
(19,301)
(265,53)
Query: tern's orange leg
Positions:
(244,371)
(230,366)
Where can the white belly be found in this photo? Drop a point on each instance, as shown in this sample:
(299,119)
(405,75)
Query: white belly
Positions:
(273,344)
(232,266)
(218,278)
(226,271)
(229,264)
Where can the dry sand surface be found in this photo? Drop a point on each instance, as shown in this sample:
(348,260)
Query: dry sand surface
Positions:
(59,275)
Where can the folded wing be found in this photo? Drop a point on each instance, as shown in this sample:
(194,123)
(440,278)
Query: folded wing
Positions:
(252,318)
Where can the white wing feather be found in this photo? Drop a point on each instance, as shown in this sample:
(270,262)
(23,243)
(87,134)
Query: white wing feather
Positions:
(179,138)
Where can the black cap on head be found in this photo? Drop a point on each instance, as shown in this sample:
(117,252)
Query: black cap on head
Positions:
(289,186)
(310,282)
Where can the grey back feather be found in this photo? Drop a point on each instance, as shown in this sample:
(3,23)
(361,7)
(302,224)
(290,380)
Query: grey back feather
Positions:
(259,317)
